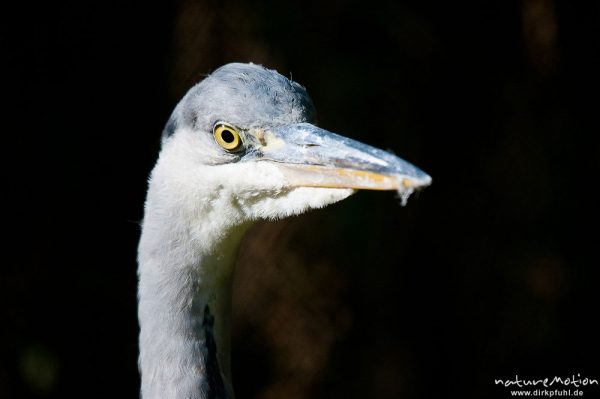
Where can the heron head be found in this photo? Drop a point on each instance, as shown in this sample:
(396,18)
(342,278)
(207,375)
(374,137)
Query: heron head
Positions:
(248,134)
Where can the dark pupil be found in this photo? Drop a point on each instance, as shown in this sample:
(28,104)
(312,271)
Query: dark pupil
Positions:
(227,136)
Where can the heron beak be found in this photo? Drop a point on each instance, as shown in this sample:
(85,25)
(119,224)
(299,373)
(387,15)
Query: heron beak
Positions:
(309,156)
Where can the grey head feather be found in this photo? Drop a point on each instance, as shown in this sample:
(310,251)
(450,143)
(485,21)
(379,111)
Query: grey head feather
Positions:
(245,95)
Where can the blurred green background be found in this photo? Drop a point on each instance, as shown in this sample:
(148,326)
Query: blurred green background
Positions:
(490,272)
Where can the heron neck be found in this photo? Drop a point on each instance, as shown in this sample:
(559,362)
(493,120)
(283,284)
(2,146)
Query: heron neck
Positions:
(185,279)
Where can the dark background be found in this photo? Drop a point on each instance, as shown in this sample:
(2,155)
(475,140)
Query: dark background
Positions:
(490,272)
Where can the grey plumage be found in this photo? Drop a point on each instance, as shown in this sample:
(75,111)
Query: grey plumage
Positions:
(246,95)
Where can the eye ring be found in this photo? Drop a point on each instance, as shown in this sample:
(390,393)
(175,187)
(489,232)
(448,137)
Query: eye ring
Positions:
(227,136)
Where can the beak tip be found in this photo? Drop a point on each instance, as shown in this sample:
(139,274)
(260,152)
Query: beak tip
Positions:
(415,181)
(426,181)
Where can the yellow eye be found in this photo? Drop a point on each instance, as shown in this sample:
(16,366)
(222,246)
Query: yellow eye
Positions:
(227,137)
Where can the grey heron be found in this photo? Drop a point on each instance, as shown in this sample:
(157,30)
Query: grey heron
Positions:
(239,147)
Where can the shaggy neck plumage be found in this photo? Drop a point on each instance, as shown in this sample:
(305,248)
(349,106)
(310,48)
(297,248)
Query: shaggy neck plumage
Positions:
(197,210)
(185,276)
